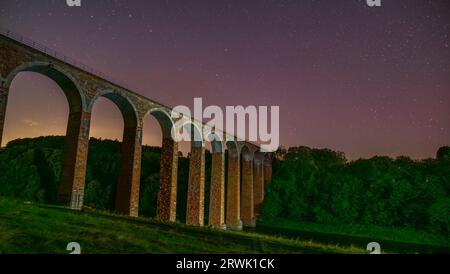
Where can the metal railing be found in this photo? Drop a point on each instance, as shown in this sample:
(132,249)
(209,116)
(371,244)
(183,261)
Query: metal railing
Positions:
(59,56)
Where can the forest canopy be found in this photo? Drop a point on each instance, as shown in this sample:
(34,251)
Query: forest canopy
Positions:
(309,185)
(322,186)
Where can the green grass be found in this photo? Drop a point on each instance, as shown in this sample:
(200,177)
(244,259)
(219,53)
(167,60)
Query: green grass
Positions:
(393,239)
(28,228)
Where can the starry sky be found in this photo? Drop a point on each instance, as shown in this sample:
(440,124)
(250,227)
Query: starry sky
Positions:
(365,81)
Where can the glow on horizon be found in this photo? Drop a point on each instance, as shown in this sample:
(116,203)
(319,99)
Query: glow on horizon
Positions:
(365,81)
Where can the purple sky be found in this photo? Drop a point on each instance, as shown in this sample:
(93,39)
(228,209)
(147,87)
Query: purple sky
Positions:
(366,81)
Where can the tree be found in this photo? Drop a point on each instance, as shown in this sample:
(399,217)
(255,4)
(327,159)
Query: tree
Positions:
(443,153)
(319,185)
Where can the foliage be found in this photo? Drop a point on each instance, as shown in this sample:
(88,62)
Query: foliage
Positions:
(309,185)
(443,152)
(30,170)
(321,186)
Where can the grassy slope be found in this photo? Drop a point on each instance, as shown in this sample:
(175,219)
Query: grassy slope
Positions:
(27,228)
(395,239)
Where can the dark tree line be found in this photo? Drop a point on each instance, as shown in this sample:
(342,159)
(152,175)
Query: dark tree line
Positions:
(30,169)
(313,185)
(321,186)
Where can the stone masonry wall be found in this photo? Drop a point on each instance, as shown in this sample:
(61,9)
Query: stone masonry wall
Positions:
(127,191)
(73,171)
(167,191)
(217,197)
(196,187)
(258,187)
(233,218)
(247,213)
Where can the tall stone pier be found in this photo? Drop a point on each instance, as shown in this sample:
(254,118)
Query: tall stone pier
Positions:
(217,193)
(196,187)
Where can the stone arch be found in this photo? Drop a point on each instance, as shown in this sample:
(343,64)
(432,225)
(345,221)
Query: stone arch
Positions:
(217,143)
(166,196)
(164,119)
(127,189)
(73,170)
(233,188)
(196,184)
(215,179)
(123,102)
(196,132)
(259,156)
(233,149)
(246,152)
(68,84)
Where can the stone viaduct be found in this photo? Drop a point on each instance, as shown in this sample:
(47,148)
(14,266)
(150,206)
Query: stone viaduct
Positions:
(248,168)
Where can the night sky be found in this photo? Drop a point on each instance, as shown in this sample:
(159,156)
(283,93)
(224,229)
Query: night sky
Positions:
(365,81)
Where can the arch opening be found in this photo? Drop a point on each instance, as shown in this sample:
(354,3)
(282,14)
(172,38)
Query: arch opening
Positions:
(36,107)
(46,154)
(104,157)
(214,181)
(63,79)
(125,156)
(191,179)
(158,167)
(123,103)
(233,219)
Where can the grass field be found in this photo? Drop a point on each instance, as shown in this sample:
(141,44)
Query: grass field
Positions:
(28,228)
(395,240)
